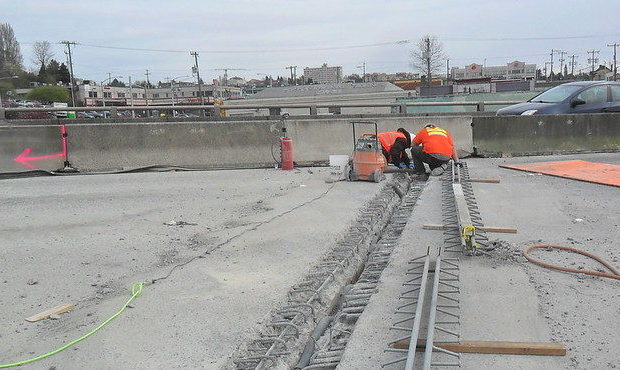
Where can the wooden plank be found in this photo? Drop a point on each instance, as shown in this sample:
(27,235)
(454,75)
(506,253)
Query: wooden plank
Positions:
(434,227)
(52,311)
(488,181)
(493,347)
(489,229)
(506,230)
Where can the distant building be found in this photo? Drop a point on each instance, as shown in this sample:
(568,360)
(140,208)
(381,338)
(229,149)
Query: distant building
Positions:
(391,77)
(602,73)
(323,75)
(511,71)
(91,94)
(415,83)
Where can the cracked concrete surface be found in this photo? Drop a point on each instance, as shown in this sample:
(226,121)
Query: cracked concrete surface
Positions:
(86,239)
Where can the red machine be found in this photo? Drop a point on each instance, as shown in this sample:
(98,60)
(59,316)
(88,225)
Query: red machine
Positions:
(368,161)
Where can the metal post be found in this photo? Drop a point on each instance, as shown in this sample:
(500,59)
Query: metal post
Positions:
(430,328)
(417,318)
(133,112)
(615,45)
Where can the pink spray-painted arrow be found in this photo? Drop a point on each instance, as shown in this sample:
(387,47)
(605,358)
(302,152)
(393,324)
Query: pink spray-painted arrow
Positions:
(25,160)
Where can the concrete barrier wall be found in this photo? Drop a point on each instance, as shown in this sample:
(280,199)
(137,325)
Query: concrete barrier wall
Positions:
(314,139)
(532,135)
(41,140)
(191,144)
(249,143)
(233,144)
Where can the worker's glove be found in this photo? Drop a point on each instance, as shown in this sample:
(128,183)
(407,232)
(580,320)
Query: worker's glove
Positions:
(411,166)
(401,165)
(458,163)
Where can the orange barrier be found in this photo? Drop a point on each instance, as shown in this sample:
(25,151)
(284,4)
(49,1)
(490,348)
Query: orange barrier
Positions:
(600,173)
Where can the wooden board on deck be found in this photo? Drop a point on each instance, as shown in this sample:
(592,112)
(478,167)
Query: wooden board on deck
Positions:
(493,347)
(52,311)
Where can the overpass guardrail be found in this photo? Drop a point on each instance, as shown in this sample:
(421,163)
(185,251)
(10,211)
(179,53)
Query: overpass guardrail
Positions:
(274,109)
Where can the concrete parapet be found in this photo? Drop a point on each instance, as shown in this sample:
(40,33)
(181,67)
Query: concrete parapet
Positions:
(38,146)
(191,144)
(545,134)
(315,139)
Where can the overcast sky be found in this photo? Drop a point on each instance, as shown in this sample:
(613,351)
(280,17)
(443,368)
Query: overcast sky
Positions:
(279,25)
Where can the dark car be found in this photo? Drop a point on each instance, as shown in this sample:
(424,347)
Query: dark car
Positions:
(569,98)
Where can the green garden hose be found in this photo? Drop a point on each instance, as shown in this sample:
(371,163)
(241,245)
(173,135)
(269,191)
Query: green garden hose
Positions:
(136,290)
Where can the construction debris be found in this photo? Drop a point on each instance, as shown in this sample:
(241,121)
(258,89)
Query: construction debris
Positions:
(52,311)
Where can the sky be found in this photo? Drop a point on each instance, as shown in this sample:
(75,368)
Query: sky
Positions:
(262,37)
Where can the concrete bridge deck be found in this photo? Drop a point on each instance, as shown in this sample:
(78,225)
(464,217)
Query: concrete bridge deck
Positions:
(85,239)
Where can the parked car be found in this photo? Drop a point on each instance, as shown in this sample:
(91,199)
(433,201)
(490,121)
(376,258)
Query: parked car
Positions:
(95,114)
(569,98)
(84,115)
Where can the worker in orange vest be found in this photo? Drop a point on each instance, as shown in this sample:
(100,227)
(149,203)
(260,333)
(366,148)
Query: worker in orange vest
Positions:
(394,145)
(434,146)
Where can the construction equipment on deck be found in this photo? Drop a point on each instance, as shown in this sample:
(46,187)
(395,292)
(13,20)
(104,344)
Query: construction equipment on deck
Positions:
(368,162)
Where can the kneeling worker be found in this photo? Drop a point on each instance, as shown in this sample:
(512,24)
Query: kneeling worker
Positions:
(394,144)
(434,146)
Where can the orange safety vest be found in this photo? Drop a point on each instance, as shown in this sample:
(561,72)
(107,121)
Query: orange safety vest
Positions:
(387,139)
(435,140)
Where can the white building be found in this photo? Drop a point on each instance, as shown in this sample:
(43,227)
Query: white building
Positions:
(323,75)
(512,70)
(91,94)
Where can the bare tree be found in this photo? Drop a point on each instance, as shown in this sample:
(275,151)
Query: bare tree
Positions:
(10,53)
(42,53)
(428,56)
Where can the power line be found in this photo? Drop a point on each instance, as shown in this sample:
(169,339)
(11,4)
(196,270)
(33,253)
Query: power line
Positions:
(341,47)
(398,42)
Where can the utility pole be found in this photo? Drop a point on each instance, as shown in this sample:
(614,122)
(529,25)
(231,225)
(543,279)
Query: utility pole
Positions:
(447,69)
(68,44)
(428,64)
(363,67)
(593,60)
(615,45)
(291,68)
(197,70)
(553,51)
(133,112)
(562,53)
(572,64)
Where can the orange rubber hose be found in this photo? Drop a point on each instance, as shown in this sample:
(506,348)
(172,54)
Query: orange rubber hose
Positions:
(615,271)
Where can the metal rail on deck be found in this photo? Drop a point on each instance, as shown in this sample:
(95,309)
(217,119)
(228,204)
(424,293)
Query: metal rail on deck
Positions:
(276,108)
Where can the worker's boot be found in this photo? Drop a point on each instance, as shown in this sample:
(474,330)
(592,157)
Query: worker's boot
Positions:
(438,171)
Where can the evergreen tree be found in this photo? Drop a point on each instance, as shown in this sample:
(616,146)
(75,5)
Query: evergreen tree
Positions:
(63,74)
(53,70)
(42,77)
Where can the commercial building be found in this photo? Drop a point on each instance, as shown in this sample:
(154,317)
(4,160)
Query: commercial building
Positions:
(91,94)
(323,75)
(512,70)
